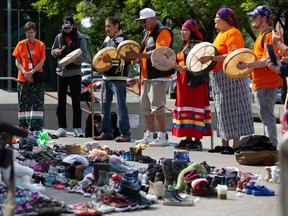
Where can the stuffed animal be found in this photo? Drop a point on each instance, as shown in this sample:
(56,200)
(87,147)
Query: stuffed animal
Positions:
(22,176)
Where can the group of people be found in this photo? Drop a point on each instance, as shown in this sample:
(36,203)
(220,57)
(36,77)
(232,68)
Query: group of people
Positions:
(29,59)
(192,114)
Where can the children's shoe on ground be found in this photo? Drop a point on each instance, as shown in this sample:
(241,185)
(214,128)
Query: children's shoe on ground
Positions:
(103,207)
(61,132)
(250,186)
(161,140)
(78,132)
(263,191)
(172,198)
(118,202)
(246,175)
(148,137)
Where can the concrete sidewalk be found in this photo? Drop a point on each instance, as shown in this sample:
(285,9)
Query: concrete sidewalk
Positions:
(236,204)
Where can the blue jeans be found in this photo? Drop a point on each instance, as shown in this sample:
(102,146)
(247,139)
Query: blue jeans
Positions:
(265,101)
(108,89)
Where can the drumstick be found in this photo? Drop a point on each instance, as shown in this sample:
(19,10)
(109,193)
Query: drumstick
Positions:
(62,48)
(165,54)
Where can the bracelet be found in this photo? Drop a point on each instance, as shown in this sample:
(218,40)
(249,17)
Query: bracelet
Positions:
(247,64)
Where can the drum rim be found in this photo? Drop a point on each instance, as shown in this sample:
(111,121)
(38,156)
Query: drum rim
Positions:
(121,44)
(77,51)
(102,51)
(200,46)
(158,49)
(233,55)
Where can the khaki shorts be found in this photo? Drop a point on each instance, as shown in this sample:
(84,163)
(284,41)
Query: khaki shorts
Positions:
(153,96)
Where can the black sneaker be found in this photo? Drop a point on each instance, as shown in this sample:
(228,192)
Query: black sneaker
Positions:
(147,159)
(195,146)
(183,144)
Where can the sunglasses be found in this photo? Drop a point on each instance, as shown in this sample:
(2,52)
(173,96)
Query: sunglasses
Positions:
(144,21)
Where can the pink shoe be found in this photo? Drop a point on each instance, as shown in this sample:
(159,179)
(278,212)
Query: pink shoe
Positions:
(245,175)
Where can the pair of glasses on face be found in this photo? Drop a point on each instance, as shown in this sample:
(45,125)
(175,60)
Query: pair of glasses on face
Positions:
(144,21)
(254,18)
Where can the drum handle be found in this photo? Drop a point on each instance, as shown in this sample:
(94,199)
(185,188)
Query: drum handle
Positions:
(165,54)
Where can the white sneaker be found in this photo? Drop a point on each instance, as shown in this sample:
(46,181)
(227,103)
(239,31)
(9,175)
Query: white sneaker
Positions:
(78,132)
(148,137)
(161,140)
(61,132)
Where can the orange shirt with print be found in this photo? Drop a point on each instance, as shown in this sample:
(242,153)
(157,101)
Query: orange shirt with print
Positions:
(163,39)
(264,77)
(226,42)
(37,51)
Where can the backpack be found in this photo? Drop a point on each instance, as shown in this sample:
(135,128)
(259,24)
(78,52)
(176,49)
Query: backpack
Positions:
(263,37)
(256,150)
(255,143)
(97,125)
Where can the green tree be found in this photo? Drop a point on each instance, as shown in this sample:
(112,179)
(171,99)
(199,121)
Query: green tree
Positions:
(170,13)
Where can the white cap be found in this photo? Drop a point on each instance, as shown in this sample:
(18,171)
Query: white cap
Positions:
(146,13)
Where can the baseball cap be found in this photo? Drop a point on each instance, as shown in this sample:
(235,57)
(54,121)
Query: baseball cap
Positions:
(68,22)
(261,10)
(146,13)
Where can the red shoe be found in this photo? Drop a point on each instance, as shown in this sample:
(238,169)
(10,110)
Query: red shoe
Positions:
(119,203)
(241,185)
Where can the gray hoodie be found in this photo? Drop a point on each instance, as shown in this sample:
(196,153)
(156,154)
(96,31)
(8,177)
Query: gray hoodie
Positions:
(64,72)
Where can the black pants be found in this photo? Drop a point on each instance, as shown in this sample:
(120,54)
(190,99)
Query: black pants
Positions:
(74,84)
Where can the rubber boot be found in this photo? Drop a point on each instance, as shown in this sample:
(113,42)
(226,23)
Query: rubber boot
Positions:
(177,167)
(132,153)
(102,178)
(137,155)
(151,172)
(159,175)
(100,166)
(180,186)
(168,172)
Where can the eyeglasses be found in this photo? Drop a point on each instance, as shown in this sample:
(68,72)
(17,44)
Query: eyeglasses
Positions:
(184,30)
(144,21)
(30,32)
(254,18)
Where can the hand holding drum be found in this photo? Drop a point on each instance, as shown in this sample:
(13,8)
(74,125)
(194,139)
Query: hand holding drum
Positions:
(124,49)
(233,63)
(193,63)
(70,58)
(102,60)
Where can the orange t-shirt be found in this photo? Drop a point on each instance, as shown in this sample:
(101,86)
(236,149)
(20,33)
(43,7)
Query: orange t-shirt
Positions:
(37,50)
(163,39)
(226,42)
(264,77)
